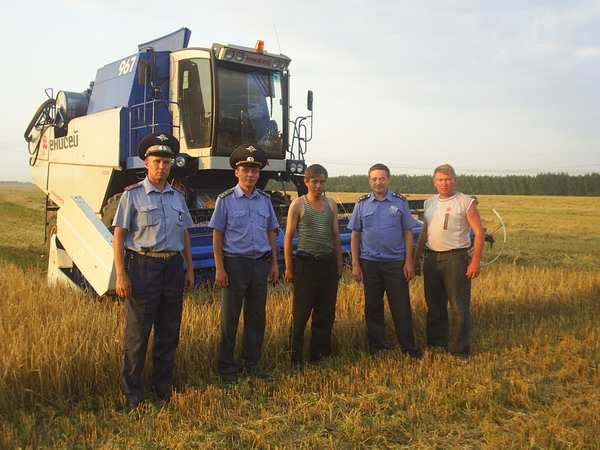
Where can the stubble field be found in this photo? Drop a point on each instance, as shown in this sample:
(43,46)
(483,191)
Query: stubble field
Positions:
(533,381)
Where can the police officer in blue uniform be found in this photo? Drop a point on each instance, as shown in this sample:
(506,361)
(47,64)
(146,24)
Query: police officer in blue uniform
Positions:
(381,225)
(244,227)
(151,243)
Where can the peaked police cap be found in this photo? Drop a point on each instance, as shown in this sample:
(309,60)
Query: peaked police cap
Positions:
(248,155)
(158,144)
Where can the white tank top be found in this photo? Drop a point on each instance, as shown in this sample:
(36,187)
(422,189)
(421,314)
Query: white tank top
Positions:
(447,226)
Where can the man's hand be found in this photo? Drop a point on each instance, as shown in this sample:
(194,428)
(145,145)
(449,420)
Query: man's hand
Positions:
(274,273)
(123,286)
(409,271)
(189,280)
(473,269)
(357,272)
(221,278)
(418,267)
(289,274)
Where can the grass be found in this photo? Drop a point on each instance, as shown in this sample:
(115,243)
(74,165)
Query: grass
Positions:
(533,381)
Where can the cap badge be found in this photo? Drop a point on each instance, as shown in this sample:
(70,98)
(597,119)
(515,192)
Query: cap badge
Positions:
(162,137)
(251,149)
(250,158)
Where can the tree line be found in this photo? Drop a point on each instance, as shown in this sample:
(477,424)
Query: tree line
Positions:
(540,184)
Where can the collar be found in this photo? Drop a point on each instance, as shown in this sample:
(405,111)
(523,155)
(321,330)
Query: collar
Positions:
(149,187)
(440,199)
(387,197)
(239,192)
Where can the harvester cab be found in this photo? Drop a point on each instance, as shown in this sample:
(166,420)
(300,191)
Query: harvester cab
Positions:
(83,145)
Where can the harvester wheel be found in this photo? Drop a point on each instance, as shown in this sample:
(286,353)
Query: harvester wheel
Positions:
(279,199)
(495,237)
(110,209)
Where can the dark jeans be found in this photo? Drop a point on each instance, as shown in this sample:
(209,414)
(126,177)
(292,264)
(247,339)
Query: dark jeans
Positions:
(156,301)
(315,292)
(248,288)
(388,277)
(446,283)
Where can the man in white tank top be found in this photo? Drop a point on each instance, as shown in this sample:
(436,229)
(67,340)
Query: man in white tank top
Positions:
(447,268)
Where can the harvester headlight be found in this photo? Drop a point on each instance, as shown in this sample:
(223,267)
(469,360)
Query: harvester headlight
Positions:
(275,63)
(229,54)
(295,166)
(180,161)
(239,56)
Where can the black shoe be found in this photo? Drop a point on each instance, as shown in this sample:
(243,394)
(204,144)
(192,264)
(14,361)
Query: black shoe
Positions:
(229,378)
(256,373)
(415,354)
(132,402)
(436,349)
(163,393)
(297,366)
(461,358)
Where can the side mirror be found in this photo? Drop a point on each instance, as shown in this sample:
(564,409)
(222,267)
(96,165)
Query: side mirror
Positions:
(144,73)
(309,101)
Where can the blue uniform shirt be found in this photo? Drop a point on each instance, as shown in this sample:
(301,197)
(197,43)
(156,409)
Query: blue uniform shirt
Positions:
(156,220)
(244,222)
(381,224)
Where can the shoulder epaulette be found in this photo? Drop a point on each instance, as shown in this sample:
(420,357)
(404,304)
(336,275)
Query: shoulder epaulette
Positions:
(263,193)
(225,193)
(400,196)
(364,197)
(134,186)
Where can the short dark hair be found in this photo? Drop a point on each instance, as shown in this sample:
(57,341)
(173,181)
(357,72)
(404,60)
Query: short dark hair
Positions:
(446,169)
(379,166)
(315,170)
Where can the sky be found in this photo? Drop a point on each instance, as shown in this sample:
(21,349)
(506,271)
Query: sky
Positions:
(510,87)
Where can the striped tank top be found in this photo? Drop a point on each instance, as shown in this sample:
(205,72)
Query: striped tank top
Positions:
(314,229)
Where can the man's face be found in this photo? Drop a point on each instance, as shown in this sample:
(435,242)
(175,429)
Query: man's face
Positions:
(316,185)
(159,167)
(444,183)
(248,176)
(380,181)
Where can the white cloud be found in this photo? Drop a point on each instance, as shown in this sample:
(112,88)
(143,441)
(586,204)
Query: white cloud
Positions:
(589,53)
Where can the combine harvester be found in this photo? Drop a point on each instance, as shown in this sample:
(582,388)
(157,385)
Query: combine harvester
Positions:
(83,145)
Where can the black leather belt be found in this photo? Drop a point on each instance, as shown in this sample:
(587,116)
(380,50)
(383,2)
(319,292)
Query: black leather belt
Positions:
(445,252)
(309,256)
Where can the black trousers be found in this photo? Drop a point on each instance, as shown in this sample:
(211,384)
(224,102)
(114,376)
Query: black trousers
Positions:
(156,301)
(387,277)
(248,289)
(446,284)
(315,293)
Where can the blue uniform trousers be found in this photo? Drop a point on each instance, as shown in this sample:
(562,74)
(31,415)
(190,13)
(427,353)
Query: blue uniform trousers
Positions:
(156,301)
(446,283)
(248,289)
(388,277)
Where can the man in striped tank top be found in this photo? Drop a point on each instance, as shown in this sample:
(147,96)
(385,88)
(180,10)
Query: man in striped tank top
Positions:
(316,268)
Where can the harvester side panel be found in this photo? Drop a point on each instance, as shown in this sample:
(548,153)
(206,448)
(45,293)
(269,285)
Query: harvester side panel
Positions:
(83,161)
(88,243)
